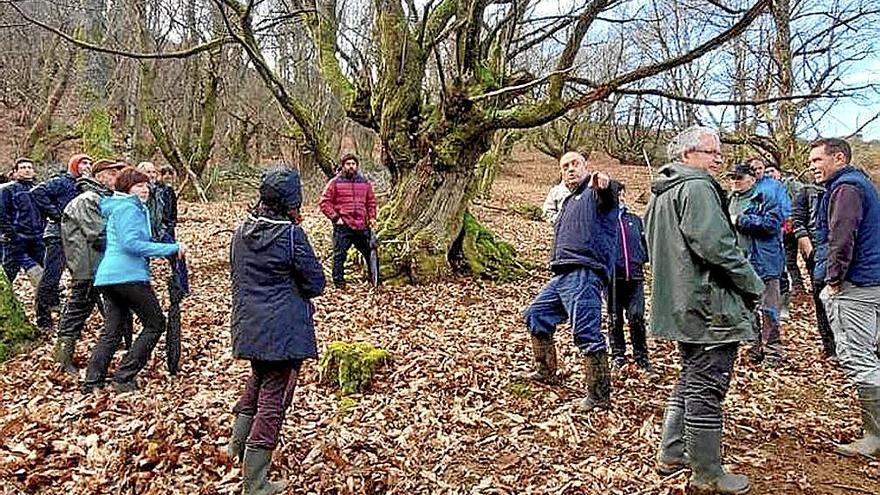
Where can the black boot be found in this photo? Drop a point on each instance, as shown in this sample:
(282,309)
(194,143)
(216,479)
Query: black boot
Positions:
(707,474)
(63,354)
(256,472)
(671,457)
(240,431)
(598,384)
(869,444)
(544,351)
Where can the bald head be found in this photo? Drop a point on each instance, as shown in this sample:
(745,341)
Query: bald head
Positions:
(573,166)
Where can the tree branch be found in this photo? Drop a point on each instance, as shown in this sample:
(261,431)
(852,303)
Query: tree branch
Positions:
(314,140)
(534,114)
(209,45)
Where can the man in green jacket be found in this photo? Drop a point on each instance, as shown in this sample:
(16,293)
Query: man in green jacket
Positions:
(703,293)
(82,236)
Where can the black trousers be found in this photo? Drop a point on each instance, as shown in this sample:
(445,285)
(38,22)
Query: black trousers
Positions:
(706,370)
(82,301)
(824,326)
(627,297)
(789,242)
(119,299)
(343,238)
(49,291)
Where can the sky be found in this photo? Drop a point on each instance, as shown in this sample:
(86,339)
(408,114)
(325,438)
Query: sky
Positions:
(848,115)
(843,118)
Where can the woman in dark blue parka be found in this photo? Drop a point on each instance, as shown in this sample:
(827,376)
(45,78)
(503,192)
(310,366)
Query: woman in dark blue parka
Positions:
(274,276)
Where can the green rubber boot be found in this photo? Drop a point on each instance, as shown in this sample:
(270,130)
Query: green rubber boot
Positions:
(598,384)
(256,472)
(241,428)
(63,354)
(869,444)
(703,447)
(671,457)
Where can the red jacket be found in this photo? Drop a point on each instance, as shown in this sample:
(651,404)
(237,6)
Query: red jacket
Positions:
(351,199)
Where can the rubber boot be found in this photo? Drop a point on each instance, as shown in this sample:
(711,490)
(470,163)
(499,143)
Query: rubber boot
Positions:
(671,457)
(34,275)
(598,384)
(256,472)
(869,444)
(63,354)
(544,351)
(707,473)
(241,428)
(784,313)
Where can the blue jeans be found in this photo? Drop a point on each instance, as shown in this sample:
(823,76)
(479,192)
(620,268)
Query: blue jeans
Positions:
(49,292)
(577,297)
(22,254)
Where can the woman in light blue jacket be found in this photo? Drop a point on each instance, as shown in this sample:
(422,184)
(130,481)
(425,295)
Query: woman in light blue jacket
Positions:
(123,278)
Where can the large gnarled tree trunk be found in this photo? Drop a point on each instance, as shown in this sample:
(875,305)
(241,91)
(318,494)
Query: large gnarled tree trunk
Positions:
(432,135)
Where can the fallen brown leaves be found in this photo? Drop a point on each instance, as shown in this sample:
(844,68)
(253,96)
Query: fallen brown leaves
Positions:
(445,418)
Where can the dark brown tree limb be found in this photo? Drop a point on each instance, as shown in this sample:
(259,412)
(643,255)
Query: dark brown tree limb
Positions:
(534,114)
(203,47)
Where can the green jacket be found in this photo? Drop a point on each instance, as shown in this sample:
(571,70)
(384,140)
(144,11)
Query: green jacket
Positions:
(82,229)
(700,277)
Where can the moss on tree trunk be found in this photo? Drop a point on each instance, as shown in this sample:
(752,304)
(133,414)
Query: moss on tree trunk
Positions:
(426,233)
(15,329)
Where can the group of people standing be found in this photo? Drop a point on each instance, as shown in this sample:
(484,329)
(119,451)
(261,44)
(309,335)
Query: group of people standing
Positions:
(718,269)
(101,220)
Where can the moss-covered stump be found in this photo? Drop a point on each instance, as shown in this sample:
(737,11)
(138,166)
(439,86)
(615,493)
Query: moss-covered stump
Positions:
(15,329)
(351,365)
(485,256)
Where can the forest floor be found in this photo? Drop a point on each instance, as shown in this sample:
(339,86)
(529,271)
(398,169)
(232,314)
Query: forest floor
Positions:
(444,417)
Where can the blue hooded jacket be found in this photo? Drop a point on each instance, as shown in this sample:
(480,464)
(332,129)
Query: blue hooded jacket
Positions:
(128,242)
(19,216)
(775,191)
(759,231)
(275,273)
(51,197)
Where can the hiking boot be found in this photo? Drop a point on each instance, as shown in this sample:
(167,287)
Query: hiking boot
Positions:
(125,387)
(89,388)
(598,384)
(544,352)
(618,363)
(63,354)
(671,457)
(703,447)
(869,444)
(241,428)
(256,470)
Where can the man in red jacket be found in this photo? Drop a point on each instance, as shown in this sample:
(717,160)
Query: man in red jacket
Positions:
(348,201)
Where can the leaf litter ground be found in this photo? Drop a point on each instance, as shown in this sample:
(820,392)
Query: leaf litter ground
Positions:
(444,417)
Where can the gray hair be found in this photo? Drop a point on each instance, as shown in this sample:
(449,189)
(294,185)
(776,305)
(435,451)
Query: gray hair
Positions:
(688,140)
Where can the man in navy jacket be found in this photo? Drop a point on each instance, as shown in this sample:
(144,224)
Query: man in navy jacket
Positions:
(584,253)
(848,261)
(627,292)
(51,197)
(21,225)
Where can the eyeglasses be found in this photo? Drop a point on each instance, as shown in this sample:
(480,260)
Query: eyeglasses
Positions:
(709,152)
